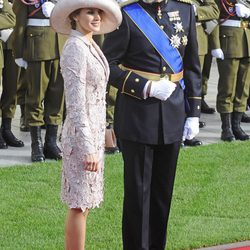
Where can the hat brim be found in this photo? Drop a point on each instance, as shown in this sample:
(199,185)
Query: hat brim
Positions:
(111,17)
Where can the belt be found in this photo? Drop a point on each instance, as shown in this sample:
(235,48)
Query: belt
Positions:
(234,23)
(38,22)
(154,76)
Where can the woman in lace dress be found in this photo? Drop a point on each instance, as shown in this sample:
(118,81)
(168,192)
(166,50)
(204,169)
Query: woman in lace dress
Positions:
(85,72)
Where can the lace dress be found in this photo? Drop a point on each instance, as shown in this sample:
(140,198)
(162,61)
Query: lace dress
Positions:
(85,72)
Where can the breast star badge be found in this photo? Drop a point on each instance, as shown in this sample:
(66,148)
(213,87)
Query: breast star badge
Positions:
(175,41)
(178,27)
(184,40)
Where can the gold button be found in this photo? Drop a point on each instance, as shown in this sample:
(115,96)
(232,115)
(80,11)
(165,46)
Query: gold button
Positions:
(31,34)
(162,27)
(132,91)
(137,79)
(164,68)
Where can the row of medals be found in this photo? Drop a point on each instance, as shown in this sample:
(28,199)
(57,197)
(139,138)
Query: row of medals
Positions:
(176,40)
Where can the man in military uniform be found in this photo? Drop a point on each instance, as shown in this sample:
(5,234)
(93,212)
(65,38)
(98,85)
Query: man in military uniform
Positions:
(8,99)
(206,12)
(7,21)
(37,48)
(154,64)
(234,70)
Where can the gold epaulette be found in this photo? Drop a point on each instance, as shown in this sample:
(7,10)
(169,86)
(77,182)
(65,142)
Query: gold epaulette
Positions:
(185,1)
(127,2)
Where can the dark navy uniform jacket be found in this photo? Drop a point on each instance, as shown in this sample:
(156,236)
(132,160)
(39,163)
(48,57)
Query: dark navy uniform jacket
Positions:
(152,121)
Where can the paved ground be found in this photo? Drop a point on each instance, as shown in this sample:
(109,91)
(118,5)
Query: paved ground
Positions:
(235,246)
(209,134)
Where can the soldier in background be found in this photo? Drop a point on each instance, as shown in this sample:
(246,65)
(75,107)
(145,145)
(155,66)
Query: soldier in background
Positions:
(37,49)
(206,13)
(7,22)
(8,100)
(234,70)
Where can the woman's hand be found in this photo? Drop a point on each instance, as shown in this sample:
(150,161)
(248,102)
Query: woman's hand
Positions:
(91,162)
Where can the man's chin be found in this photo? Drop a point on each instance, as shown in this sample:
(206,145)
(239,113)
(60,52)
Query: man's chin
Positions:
(152,1)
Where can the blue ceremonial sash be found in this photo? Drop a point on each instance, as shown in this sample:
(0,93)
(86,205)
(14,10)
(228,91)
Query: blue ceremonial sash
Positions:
(156,36)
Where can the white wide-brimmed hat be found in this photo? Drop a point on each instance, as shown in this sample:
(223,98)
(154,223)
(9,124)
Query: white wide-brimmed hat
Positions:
(111,17)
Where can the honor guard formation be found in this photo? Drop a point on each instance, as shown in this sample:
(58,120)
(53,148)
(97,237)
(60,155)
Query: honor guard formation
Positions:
(31,77)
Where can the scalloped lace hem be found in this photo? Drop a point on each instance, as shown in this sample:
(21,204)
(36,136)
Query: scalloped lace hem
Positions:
(84,207)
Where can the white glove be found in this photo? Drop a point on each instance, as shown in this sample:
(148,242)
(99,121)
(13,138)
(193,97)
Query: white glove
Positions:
(191,128)
(47,8)
(217,53)
(162,89)
(5,34)
(242,10)
(21,63)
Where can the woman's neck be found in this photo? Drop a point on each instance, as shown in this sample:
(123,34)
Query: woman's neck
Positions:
(88,34)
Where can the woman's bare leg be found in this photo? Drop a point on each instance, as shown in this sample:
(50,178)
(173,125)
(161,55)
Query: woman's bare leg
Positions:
(75,229)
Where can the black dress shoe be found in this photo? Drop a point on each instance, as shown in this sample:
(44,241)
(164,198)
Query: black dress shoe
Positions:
(202,124)
(205,108)
(245,118)
(11,140)
(3,144)
(192,143)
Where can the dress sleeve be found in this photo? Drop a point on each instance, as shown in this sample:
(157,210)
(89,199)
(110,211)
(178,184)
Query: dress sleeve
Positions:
(74,68)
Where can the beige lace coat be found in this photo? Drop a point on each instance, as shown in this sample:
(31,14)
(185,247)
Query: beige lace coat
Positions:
(85,72)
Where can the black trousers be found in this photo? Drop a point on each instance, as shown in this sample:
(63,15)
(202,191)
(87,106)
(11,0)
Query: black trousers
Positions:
(149,173)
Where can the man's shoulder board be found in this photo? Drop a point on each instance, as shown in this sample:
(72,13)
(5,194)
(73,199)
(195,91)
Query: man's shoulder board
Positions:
(185,1)
(123,3)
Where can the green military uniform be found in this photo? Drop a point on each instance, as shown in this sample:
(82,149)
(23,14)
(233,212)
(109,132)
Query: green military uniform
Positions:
(207,11)
(7,20)
(234,70)
(10,73)
(38,44)
(8,99)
